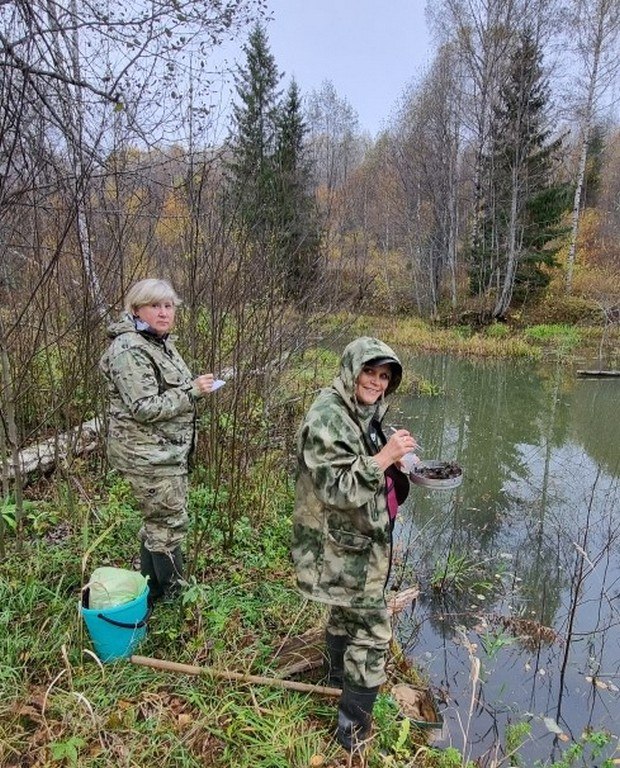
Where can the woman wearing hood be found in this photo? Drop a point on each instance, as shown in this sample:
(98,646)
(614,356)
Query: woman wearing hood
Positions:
(151,422)
(348,489)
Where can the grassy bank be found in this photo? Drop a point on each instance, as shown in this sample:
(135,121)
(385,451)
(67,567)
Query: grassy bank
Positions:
(498,340)
(59,707)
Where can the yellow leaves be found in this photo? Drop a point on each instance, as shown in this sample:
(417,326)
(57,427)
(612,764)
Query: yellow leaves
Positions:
(173,219)
(184,720)
(602,685)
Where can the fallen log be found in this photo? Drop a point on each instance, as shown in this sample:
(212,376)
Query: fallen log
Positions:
(598,373)
(44,456)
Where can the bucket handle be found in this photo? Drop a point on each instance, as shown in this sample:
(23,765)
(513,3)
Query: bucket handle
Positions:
(126,625)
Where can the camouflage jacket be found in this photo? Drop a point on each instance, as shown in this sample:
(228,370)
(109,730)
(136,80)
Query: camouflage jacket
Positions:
(341,529)
(151,411)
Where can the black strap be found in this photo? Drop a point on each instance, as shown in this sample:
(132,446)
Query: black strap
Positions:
(125,625)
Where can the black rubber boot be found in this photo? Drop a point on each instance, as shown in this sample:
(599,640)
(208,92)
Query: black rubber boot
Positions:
(169,572)
(335,646)
(355,717)
(147,569)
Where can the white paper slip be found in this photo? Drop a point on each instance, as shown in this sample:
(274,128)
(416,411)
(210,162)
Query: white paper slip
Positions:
(217,384)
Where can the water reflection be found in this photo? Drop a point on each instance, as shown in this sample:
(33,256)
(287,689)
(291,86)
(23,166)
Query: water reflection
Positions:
(521,562)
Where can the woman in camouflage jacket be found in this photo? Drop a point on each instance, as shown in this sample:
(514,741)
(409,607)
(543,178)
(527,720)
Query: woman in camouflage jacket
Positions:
(342,527)
(151,420)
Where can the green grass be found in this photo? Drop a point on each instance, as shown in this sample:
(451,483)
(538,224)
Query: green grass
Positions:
(59,707)
(563,338)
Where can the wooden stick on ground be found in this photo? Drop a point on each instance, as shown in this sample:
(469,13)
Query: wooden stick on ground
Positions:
(190,669)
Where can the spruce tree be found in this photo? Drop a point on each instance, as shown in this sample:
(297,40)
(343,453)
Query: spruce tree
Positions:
(298,231)
(520,171)
(253,139)
(269,175)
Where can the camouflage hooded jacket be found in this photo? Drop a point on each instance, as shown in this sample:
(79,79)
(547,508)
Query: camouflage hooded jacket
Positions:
(341,529)
(151,408)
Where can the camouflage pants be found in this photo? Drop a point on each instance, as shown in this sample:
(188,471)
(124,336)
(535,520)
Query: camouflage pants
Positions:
(368,633)
(163,504)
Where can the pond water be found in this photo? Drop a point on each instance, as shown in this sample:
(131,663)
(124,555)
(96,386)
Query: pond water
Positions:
(518,620)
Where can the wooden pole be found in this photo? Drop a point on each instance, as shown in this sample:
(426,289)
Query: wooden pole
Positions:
(190,669)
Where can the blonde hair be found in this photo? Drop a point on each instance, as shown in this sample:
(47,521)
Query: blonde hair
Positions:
(150,291)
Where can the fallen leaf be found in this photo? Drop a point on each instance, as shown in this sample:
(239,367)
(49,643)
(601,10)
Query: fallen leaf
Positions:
(551,725)
(316,761)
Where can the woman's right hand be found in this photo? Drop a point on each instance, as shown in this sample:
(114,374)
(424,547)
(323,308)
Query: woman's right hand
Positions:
(400,443)
(204,383)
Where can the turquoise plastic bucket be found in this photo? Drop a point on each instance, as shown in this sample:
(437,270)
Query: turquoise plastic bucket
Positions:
(116,631)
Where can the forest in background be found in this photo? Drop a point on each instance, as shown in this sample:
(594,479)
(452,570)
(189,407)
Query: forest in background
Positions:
(492,197)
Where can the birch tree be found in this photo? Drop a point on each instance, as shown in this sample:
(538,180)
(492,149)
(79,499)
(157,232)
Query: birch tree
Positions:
(593,27)
(429,161)
(482,32)
(522,158)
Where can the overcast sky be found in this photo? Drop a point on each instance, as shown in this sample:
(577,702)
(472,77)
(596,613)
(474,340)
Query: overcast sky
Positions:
(368,49)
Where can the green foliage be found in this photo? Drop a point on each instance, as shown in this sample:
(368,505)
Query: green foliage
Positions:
(68,750)
(497,331)
(393,731)
(254,134)
(427,388)
(31,516)
(493,642)
(269,175)
(594,163)
(315,369)
(516,736)
(544,230)
(587,751)
(298,238)
(560,337)
(446,758)
(457,574)
(463,331)
(526,206)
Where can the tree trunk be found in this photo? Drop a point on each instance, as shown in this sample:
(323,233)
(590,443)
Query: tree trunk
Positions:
(505,298)
(581,176)
(597,23)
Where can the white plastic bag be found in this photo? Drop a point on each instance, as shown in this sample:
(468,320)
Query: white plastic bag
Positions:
(109,587)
